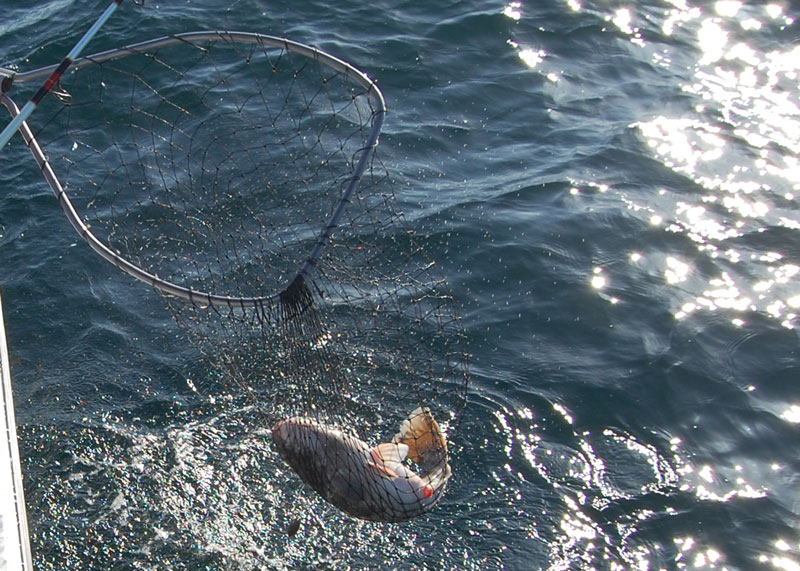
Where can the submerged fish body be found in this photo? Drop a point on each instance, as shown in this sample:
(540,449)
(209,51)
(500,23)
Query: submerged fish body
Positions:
(371,483)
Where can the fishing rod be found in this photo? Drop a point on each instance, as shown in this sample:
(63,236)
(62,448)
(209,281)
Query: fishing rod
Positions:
(54,78)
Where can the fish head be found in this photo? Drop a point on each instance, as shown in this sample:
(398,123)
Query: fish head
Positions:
(404,496)
(407,490)
(295,434)
(410,488)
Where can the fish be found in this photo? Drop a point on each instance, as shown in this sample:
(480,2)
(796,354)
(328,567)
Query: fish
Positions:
(373,483)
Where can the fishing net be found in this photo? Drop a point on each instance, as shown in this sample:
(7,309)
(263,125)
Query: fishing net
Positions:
(235,173)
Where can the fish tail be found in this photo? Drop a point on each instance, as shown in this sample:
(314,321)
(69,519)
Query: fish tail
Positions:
(426,444)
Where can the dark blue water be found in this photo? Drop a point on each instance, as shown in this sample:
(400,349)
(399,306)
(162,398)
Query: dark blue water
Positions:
(611,190)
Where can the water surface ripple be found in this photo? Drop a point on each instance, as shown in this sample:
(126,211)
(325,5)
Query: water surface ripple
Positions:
(612,190)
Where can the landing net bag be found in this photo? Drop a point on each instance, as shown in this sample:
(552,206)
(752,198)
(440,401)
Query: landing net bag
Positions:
(236,174)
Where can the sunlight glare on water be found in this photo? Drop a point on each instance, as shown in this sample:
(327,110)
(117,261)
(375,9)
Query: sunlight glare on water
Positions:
(740,147)
(531,56)
(734,145)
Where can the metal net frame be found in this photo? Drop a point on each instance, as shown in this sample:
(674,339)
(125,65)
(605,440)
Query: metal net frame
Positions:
(158,133)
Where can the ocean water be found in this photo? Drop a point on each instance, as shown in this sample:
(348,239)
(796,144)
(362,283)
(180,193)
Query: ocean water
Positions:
(611,189)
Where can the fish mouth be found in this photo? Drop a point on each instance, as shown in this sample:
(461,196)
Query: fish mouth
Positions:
(280,431)
(285,429)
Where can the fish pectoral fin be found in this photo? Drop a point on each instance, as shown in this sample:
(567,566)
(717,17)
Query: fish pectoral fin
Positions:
(389,452)
(382,470)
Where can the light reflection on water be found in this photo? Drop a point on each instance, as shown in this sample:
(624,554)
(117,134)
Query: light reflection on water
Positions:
(737,146)
(613,488)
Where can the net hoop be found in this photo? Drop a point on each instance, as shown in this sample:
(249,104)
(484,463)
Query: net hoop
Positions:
(294,291)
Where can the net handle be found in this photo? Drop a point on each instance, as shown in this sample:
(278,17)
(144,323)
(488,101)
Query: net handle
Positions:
(55,74)
(195,296)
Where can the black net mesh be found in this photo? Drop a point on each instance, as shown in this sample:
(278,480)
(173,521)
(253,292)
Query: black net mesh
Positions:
(217,164)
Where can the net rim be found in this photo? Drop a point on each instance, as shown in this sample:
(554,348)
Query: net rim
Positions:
(195,296)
